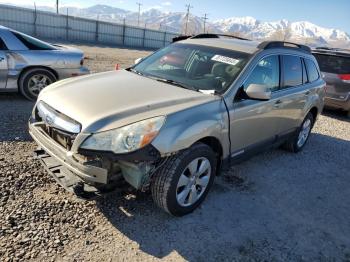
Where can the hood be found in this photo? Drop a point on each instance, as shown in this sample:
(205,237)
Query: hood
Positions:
(108,100)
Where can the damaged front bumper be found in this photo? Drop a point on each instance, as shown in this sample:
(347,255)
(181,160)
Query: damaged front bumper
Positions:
(98,172)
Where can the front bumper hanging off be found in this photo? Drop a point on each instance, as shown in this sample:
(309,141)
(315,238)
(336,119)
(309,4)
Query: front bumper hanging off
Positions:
(65,177)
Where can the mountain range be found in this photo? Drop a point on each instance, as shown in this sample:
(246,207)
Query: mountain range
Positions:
(302,31)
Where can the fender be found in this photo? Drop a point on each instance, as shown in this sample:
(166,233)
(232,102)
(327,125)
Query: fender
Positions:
(205,120)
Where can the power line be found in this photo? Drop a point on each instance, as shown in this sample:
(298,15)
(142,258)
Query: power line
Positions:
(138,17)
(205,18)
(187,16)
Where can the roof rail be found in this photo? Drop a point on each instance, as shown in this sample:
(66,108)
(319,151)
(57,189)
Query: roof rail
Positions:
(276,44)
(218,36)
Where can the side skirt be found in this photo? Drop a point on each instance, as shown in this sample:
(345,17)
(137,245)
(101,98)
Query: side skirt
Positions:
(248,152)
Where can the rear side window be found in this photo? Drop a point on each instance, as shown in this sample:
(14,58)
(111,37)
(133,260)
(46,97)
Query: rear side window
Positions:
(311,70)
(333,64)
(32,43)
(292,71)
(2,45)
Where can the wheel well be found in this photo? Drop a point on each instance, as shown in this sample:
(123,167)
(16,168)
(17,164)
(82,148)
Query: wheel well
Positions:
(314,112)
(36,67)
(216,146)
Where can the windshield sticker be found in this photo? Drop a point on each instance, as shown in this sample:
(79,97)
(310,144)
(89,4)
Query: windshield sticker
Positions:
(225,59)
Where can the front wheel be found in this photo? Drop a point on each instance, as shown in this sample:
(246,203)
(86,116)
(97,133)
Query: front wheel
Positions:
(298,141)
(183,182)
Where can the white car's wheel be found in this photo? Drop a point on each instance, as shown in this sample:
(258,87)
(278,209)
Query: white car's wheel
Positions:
(33,81)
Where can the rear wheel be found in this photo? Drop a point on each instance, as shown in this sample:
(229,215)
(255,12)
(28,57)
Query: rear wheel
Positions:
(33,81)
(299,139)
(182,184)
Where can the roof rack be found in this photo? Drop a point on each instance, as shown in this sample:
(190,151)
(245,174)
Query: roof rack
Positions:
(276,44)
(199,36)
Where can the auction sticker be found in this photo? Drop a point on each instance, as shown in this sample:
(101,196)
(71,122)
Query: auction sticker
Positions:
(225,59)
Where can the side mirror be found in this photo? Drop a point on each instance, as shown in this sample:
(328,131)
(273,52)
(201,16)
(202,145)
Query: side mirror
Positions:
(138,60)
(258,92)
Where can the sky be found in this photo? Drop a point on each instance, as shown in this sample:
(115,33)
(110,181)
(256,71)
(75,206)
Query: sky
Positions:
(326,13)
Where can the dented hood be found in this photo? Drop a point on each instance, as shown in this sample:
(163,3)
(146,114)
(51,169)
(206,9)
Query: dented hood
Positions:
(113,99)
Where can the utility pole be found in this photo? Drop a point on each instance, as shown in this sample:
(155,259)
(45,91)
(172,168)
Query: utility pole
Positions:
(138,17)
(57,6)
(205,18)
(187,16)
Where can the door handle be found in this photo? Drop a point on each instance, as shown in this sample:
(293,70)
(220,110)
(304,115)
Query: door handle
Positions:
(307,93)
(278,103)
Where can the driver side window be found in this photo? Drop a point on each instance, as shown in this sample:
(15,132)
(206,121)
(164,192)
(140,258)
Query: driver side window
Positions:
(266,72)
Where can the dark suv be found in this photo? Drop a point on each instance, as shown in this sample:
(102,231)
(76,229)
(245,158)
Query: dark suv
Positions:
(335,67)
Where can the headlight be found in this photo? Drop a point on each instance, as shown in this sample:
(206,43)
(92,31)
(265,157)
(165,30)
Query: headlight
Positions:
(125,139)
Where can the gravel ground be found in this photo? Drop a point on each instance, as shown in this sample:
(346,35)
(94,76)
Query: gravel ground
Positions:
(276,206)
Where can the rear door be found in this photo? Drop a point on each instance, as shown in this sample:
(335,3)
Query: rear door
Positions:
(3,65)
(292,96)
(336,72)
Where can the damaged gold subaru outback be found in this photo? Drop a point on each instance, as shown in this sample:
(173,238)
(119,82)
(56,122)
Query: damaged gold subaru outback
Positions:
(171,122)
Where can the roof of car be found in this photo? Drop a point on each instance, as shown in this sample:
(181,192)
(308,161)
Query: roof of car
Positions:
(245,46)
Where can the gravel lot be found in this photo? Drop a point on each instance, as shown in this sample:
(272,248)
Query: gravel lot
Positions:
(276,206)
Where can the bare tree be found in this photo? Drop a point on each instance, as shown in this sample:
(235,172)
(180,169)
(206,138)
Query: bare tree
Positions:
(283,34)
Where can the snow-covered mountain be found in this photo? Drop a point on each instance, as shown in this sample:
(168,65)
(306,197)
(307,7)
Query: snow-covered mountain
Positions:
(249,27)
(254,28)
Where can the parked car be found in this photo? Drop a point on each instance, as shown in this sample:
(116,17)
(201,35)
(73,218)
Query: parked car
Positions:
(335,67)
(172,121)
(28,65)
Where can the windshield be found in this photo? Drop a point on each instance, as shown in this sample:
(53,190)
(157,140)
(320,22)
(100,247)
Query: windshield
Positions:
(32,43)
(194,66)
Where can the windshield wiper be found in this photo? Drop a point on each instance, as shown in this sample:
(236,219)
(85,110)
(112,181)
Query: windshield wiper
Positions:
(134,71)
(176,83)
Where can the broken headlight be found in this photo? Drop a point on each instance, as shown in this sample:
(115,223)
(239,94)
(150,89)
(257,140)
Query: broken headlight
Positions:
(125,139)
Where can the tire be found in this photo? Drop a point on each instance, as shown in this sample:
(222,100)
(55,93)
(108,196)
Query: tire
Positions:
(165,188)
(293,144)
(26,84)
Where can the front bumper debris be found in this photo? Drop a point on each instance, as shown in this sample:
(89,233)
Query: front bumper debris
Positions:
(65,177)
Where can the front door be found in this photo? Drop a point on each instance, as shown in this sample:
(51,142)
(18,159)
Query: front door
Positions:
(254,122)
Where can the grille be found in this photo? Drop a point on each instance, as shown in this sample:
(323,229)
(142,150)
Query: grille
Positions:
(63,138)
(59,127)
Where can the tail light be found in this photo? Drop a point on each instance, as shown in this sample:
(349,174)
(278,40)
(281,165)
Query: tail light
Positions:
(344,77)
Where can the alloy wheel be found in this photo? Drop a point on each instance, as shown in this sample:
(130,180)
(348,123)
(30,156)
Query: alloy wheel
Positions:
(193,181)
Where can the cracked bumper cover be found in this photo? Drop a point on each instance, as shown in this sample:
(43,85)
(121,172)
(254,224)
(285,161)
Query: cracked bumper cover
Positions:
(75,176)
(66,159)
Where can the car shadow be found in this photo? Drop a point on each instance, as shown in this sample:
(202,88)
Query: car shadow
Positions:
(15,112)
(337,114)
(266,208)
